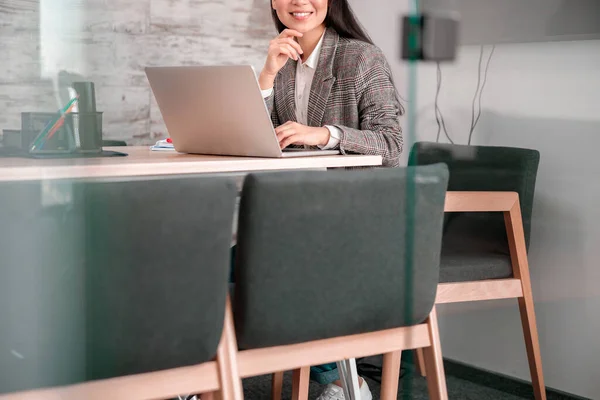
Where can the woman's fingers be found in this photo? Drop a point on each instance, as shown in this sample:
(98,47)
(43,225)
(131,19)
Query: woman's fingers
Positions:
(284,132)
(292,139)
(290,33)
(285,127)
(278,48)
(288,51)
(281,48)
(294,133)
(292,43)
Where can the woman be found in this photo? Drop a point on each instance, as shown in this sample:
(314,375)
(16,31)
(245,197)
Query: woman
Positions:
(327,85)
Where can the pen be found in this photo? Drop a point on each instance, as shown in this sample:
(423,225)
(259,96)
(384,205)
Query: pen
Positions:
(59,123)
(51,124)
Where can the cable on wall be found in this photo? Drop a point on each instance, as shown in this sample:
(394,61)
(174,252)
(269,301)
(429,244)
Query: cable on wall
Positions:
(476,92)
(439,118)
(437,95)
(478,89)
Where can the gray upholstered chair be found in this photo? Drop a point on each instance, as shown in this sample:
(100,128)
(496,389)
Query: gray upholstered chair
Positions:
(339,264)
(116,289)
(486,235)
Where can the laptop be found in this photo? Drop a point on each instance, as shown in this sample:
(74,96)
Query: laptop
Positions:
(218,110)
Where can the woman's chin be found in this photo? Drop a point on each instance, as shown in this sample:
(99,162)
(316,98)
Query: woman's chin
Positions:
(297,27)
(300,27)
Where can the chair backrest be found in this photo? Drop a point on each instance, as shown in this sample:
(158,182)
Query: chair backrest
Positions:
(122,277)
(486,168)
(334,253)
(42,295)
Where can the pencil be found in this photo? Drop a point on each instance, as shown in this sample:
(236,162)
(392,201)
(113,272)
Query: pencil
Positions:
(39,138)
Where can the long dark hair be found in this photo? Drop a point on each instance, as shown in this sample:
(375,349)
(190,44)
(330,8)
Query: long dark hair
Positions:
(339,17)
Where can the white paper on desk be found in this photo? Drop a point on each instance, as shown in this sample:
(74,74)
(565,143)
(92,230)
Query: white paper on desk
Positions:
(155,148)
(163,145)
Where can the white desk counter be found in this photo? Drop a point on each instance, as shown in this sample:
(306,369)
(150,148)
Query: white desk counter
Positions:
(142,161)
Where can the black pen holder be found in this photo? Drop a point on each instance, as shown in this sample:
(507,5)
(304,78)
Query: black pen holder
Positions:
(78,132)
(86,128)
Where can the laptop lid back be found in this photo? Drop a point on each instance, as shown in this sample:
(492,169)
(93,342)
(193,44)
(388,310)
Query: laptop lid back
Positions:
(214,110)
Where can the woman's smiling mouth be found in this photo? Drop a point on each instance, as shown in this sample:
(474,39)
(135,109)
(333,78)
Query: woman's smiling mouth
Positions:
(301,16)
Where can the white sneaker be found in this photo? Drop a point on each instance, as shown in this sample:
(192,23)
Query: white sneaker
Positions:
(334,392)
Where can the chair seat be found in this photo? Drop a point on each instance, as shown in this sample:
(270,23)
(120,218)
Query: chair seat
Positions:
(474,248)
(464,267)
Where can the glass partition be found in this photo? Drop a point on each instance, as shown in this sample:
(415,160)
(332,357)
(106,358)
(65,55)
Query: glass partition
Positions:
(516,111)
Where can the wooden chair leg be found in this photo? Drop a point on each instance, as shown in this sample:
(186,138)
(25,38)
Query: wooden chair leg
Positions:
(231,384)
(390,375)
(420,362)
(518,254)
(300,383)
(276,385)
(434,364)
(532,345)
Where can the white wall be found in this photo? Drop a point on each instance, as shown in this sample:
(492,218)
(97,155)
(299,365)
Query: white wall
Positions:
(544,96)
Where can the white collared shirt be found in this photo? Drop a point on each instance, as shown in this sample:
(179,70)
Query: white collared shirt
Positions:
(305,72)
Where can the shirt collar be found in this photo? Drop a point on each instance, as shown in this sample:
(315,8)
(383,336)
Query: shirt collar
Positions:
(313,59)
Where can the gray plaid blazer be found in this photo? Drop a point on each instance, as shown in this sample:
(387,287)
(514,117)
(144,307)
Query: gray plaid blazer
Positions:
(353,90)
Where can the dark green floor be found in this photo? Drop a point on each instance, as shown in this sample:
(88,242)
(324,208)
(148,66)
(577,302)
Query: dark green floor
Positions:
(259,388)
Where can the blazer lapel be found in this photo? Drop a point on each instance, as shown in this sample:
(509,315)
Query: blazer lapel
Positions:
(323,79)
(285,92)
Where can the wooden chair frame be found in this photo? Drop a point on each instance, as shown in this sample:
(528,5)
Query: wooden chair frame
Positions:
(223,374)
(220,375)
(517,287)
(494,289)
(390,343)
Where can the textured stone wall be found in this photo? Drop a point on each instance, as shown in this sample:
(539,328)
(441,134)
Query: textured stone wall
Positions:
(44,44)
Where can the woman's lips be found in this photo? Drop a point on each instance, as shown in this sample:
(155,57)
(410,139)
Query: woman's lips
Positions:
(301,16)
